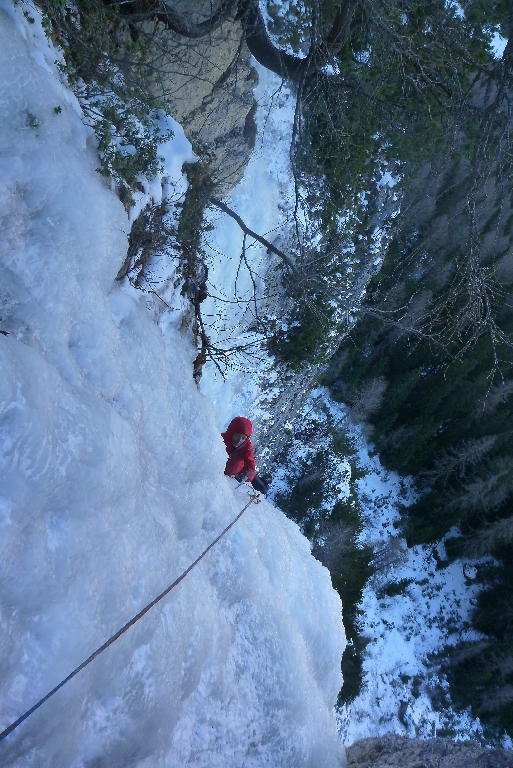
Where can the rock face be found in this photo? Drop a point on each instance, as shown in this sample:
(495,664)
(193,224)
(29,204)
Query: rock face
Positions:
(207,85)
(393,751)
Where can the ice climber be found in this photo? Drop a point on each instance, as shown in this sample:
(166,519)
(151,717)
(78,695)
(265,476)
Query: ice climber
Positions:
(241,460)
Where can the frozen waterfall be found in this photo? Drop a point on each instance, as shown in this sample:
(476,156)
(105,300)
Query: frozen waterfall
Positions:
(112,484)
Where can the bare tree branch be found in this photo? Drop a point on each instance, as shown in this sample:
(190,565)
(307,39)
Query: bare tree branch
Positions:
(176,22)
(247,231)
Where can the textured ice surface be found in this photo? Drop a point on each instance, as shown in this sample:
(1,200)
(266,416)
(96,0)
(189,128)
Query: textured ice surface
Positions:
(111,484)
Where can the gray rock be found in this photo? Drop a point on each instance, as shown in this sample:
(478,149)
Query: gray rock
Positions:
(207,86)
(393,751)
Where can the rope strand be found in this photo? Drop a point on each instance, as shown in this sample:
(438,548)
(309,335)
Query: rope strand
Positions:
(254,498)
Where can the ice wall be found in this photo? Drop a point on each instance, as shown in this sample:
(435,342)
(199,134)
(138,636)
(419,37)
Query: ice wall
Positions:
(111,484)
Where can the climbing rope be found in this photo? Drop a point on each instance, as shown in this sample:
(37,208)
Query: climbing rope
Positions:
(254,498)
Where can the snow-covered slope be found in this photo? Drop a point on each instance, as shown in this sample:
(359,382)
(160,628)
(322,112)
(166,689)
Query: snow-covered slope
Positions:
(111,484)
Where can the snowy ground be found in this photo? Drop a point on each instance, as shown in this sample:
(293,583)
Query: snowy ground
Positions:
(431,610)
(112,483)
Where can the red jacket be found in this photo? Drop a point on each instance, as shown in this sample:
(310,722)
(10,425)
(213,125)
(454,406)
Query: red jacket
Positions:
(240,459)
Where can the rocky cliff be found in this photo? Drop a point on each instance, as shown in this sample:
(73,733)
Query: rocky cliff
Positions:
(207,85)
(393,751)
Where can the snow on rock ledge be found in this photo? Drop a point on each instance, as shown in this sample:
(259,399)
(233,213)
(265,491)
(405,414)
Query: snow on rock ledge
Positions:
(111,484)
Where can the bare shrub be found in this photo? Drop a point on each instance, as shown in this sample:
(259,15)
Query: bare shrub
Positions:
(394,552)
(457,460)
(503,663)
(367,399)
(494,398)
(486,492)
(397,437)
(497,700)
(484,541)
(468,653)
(333,540)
